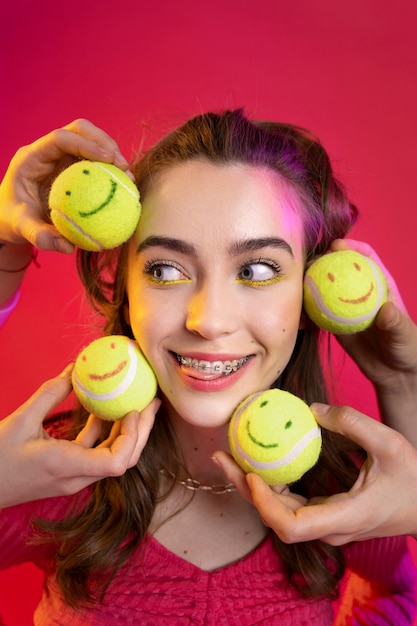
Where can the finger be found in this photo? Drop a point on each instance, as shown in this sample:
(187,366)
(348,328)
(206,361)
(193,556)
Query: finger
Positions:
(293,522)
(60,143)
(133,434)
(108,459)
(46,398)
(144,427)
(88,436)
(363,430)
(101,138)
(139,432)
(396,323)
(359,246)
(367,250)
(44,236)
(277,511)
(122,449)
(233,473)
(113,434)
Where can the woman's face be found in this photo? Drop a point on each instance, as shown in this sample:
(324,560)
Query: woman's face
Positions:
(215,284)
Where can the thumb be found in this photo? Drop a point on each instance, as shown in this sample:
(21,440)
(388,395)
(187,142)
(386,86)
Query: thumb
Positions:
(397,325)
(46,398)
(45,236)
(391,318)
(366,431)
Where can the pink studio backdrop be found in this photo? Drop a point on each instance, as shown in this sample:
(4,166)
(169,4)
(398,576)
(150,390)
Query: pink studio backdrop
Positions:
(345,70)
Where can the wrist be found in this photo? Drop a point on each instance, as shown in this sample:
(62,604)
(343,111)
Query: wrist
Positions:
(400,387)
(15,257)
(14,260)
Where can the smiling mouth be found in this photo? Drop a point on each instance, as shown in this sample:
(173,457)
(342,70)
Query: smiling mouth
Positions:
(212,367)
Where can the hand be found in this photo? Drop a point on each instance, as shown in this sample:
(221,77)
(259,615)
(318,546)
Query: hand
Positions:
(25,187)
(34,465)
(382,502)
(387,354)
(390,345)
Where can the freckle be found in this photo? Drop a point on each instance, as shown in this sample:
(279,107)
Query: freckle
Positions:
(185,552)
(246,533)
(195,449)
(221,514)
(283,330)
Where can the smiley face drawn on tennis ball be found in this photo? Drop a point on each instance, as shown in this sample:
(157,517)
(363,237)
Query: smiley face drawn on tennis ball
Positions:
(112,377)
(274,434)
(94,205)
(343,291)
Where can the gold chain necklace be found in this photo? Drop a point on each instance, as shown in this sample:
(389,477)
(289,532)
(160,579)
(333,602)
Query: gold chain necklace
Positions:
(195,485)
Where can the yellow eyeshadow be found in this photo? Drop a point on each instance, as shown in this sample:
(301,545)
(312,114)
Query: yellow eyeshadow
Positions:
(260,283)
(158,281)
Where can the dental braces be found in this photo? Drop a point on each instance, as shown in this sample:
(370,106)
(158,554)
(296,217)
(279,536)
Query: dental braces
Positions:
(212,367)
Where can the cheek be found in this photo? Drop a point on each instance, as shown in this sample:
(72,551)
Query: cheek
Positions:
(282,316)
(279,326)
(151,325)
(145,325)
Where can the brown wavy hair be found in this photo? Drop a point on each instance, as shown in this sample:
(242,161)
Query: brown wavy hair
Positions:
(94,544)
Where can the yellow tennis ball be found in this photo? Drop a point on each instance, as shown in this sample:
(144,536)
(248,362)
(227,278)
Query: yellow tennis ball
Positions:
(343,291)
(94,205)
(274,434)
(112,377)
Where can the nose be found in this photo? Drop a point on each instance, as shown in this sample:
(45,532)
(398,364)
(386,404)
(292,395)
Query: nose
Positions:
(212,311)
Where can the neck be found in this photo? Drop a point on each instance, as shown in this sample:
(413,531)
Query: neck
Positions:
(198,445)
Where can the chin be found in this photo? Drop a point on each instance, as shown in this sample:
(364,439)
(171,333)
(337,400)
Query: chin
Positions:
(207,413)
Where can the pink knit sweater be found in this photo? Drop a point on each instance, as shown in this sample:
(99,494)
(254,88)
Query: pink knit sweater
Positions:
(158,588)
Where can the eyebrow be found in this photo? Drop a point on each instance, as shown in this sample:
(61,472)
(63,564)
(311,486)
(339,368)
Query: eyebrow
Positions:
(252,245)
(238,247)
(177,245)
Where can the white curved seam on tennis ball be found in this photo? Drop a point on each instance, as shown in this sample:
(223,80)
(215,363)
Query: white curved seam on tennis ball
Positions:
(349,321)
(79,229)
(118,181)
(291,455)
(121,388)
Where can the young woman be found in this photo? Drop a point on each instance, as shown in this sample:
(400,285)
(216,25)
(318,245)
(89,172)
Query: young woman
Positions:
(210,287)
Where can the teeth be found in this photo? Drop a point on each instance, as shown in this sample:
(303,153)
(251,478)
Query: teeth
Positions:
(212,367)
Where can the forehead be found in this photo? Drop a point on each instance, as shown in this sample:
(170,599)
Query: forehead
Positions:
(221,201)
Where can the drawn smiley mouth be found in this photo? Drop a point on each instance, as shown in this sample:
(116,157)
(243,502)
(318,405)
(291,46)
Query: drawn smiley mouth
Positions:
(111,374)
(110,196)
(360,300)
(257,441)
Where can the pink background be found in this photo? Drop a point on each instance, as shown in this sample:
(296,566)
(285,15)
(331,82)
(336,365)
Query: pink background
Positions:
(345,70)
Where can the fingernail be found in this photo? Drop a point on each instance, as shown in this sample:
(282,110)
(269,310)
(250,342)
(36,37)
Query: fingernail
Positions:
(216,461)
(67,371)
(320,408)
(118,156)
(105,153)
(64,246)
